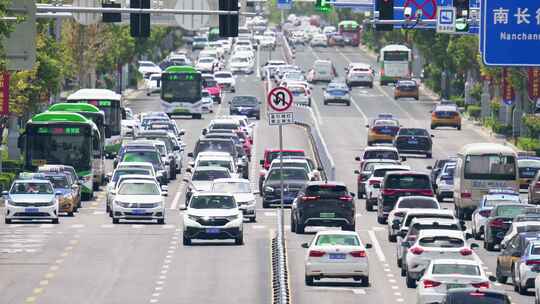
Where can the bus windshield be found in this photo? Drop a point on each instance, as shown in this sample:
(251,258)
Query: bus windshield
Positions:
(490,167)
(181,87)
(396,56)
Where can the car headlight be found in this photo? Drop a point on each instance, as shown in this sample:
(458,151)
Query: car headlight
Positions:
(122,204)
(268,189)
(232,217)
(194,217)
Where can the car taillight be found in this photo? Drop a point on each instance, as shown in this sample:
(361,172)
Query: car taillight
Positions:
(533,262)
(373,182)
(466,195)
(430,283)
(485,213)
(537,184)
(481,285)
(309,198)
(426,192)
(358,254)
(496,223)
(416,250)
(316,253)
(465,251)
(389,192)
(346,198)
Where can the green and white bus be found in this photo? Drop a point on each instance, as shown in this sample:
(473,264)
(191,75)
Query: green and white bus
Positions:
(395,63)
(111,104)
(181,91)
(98,118)
(61,138)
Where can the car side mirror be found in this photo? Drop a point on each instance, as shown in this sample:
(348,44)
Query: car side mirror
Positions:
(368,246)
(351,194)
(176,148)
(432,136)
(190,154)
(367,126)
(429,167)
(204,131)
(183,207)
(112,192)
(356,172)
(357,158)
(503,245)
(5,193)
(492,278)
(185,179)
(403,158)
(182,133)
(402,233)
(165,190)
(305,245)
(189,170)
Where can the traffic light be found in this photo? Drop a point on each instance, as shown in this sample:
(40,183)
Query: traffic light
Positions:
(462,14)
(386,12)
(323,6)
(111,17)
(228,24)
(139,23)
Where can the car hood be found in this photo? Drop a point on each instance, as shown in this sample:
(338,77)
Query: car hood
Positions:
(212,212)
(202,185)
(31,198)
(240,64)
(139,198)
(244,197)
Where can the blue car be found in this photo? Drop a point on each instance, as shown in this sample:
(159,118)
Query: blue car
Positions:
(337,93)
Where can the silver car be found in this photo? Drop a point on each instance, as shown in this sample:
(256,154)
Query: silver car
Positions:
(32,199)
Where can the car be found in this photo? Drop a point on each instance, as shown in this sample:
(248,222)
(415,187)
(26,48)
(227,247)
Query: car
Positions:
(244,195)
(270,67)
(213,89)
(383,129)
(336,254)
(406,88)
(493,198)
(322,70)
(294,180)
(212,216)
(444,185)
(152,84)
(537,290)
(323,203)
(404,205)
(445,116)
(146,68)
(290,76)
(512,254)
(202,178)
(169,135)
(245,105)
(499,221)
(380,153)
(113,179)
(359,74)
(336,40)
(62,183)
(337,93)
(373,182)
(397,184)
(533,192)
(31,199)
(207,102)
(292,162)
(215,145)
(271,154)
(436,169)
(443,275)
(241,64)
(366,167)
(319,40)
(528,167)
(206,64)
(226,81)
(69,170)
(329,30)
(414,141)
(300,95)
(435,244)
(520,227)
(476,296)
(199,42)
(139,200)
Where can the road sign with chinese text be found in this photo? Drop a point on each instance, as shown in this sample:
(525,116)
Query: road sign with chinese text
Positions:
(280,118)
(533,84)
(510,32)
(284,4)
(446,19)
(508,93)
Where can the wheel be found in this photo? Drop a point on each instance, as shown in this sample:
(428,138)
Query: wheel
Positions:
(196,116)
(411,283)
(399,263)
(439,198)
(55,221)
(309,281)
(429,155)
(369,206)
(293,224)
(403,270)
(252,219)
(459,127)
(239,240)
(300,228)
(7,221)
(348,103)
(364,281)
(392,238)
(325,103)
(95,186)
(265,205)
(395,98)
(173,172)
(416,98)
(500,278)
(381,220)
(489,246)
(258,117)
(186,241)
(371,85)
(115,220)
(161,221)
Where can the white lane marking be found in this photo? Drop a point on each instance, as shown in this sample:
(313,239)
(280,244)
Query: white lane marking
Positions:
(107,226)
(98,212)
(357,291)
(364,116)
(46,225)
(377,246)
(270,214)
(317,112)
(168,226)
(136,226)
(176,199)
(258,63)
(77,226)
(258,226)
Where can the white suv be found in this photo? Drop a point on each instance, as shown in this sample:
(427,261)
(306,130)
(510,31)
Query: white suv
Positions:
(213,216)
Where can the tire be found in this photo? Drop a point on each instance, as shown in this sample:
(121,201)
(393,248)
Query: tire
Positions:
(115,221)
(55,221)
(186,241)
(258,117)
(417,98)
(410,282)
(348,104)
(371,85)
(300,228)
(500,278)
(252,219)
(161,221)
(489,246)
(392,238)
(71,214)
(432,127)
(7,221)
(265,205)
(399,263)
(429,155)
(293,224)
(95,186)
(196,116)
(403,270)
(351,227)
(239,240)
(369,206)
(364,281)
(309,281)
(325,103)
(459,128)
(381,220)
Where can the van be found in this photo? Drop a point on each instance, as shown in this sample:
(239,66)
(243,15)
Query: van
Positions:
(322,70)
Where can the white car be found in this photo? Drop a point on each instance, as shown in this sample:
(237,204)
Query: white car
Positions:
(405,204)
(267,41)
(226,81)
(152,84)
(242,64)
(300,95)
(445,182)
(519,227)
(31,199)
(493,198)
(130,127)
(226,45)
(113,179)
(445,274)
(139,200)
(206,64)
(243,194)
(319,40)
(207,102)
(336,254)
(146,68)
(217,159)
(372,185)
(216,45)
(435,244)
(202,178)
(526,268)
(213,216)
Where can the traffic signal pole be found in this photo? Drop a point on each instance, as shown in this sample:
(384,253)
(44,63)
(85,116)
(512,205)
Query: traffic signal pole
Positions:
(81,9)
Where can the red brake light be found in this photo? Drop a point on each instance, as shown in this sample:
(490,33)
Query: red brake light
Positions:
(426,192)
(316,253)
(358,254)
(346,198)
(389,192)
(373,182)
(485,213)
(533,262)
(430,283)
(416,250)
(465,251)
(309,198)
(496,223)
(481,285)
(466,195)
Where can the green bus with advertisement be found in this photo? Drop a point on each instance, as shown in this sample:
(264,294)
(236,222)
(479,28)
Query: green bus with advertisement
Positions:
(181,91)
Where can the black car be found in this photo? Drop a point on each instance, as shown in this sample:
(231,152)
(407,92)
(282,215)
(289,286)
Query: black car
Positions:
(499,221)
(414,141)
(295,179)
(475,296)
(249,106)
(323,204)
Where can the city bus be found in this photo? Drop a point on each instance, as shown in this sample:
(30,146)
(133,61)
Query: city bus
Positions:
(479,168)
(62,138)
(350,30)
(395,63)
(181,91)
(111,104)
(98,118)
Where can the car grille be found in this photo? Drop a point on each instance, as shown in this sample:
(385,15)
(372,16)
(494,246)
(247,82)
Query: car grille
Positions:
(213,221)
(33,204)
(137,205)
(31,214)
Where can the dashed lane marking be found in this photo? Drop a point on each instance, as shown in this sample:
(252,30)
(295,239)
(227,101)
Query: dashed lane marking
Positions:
(357,291)
(377,246)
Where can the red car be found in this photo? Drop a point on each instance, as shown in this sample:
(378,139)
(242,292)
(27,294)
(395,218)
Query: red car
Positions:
(247,143)
(213,89)
(271,154)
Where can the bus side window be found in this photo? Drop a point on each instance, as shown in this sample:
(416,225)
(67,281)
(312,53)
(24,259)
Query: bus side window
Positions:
(96,146)
(124,114)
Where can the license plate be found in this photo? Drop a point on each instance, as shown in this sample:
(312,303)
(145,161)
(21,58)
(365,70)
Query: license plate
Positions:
(139,211)
(413,142)
(452,286)
(31,210)
(179,110)
(212,230)
(337,256)
(328,215)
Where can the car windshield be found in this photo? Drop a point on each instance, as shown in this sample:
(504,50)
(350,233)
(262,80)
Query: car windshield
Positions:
(509,210)
(232,187)
(327,190)
(528,228)
(206,60)
(408,182)
(288,174)
(495,202)
(413,132)
(417,202)
(410,217)
(535,250)
(490,167)
(31,188)
(443,269)
(138,189)
(291,165)
(216,162)
(141,156)
(244,101)
(239,60)
(275,154)
(371,165)
(222,75)
(209,175)
(441,242)
(58,181)
(337,239)
(378,154)
(210,83)
(212,202)
(382,172)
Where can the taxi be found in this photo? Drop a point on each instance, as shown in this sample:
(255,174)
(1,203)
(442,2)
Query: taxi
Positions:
(445,116)
(527,166)
(383,129)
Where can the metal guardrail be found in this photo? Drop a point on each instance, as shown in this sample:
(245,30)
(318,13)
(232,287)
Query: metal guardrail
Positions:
(280,271)
(287,51)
